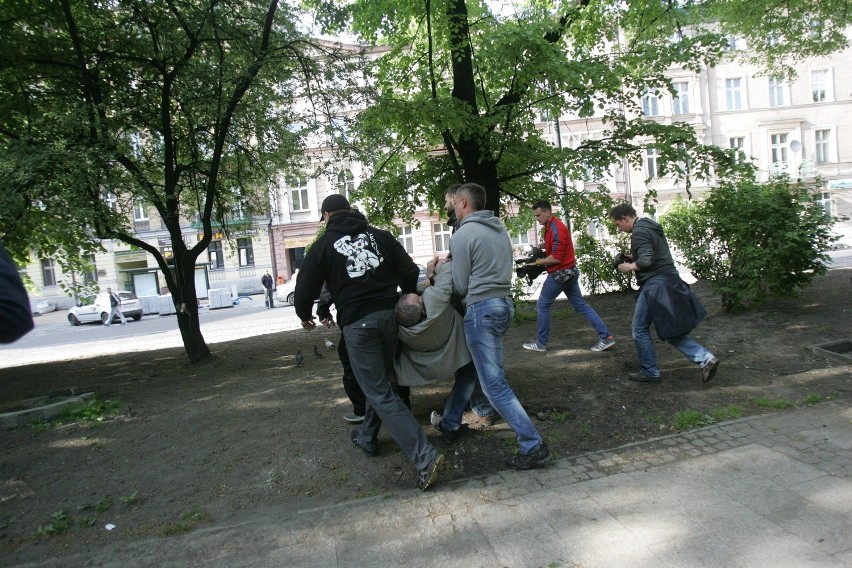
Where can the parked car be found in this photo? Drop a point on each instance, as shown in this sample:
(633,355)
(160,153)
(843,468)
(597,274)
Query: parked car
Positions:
(287,292)
(96,308)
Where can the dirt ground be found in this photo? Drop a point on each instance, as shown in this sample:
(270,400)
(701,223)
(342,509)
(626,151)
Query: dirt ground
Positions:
(195,445)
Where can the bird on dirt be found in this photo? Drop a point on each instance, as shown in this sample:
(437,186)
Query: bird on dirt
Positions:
(299,358)
(317,353)
(329,344)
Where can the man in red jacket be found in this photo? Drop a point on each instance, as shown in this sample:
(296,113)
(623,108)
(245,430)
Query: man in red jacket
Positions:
(562,276)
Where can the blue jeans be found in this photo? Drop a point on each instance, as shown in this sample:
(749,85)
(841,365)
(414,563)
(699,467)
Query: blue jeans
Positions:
(485,324)
(370,343)
(550,290)
(642,319)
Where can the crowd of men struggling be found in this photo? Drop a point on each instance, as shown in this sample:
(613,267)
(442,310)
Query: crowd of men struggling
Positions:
(455,326)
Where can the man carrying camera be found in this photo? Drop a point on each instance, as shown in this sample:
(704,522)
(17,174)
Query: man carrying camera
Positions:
(663,298)
(562,276)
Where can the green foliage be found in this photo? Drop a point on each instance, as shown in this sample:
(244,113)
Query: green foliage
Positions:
(188,520)
(753,242)
(594,257)
(59,523)
(814,398)
(688,419)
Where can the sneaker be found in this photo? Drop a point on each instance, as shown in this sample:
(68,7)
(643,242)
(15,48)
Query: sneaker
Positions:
(353,418)
(539,456)
(708,371)
(429,476)
(449,436)
(534,346)
(356,441)
(604,344)
(477,422)
(643,378)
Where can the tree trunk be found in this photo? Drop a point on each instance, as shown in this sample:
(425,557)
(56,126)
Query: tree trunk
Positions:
(185,298)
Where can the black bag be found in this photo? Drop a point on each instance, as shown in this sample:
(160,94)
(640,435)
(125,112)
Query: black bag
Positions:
(565,275)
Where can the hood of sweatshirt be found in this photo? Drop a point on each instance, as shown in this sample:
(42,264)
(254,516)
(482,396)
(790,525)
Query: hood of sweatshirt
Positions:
(347,223)
(647,224)
(485,218)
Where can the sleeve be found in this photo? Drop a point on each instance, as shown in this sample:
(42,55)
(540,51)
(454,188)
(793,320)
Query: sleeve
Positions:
(16,318)
(460,251)
(309,284)
(642,248)
(561,237)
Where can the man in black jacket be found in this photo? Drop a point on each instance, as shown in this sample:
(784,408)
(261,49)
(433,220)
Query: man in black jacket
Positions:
(664,299)
(16,318)
(363,266)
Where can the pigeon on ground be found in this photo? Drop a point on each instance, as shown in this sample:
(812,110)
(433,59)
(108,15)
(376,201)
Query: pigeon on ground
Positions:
(329,344)
(299,358)
(317,353)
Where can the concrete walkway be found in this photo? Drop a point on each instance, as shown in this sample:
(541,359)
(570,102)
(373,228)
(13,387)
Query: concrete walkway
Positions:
(773,490)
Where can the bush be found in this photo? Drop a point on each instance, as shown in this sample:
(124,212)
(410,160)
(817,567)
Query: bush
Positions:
(594,257)
(752,241)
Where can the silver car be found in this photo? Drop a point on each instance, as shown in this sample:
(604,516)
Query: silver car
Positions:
(97,308)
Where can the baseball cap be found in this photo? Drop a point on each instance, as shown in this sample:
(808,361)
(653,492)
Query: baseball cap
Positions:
(335,202)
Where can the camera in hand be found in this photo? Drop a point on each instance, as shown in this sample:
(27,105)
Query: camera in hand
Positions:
(621,258)
(530,272)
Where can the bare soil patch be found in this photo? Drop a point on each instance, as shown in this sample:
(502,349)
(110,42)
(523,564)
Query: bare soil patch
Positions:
(249,431)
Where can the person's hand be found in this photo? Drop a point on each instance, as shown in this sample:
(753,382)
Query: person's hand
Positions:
(626,267)
(309,324)
(328,322)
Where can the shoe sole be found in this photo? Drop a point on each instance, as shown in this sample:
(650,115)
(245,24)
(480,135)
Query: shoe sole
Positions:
(707,376)
(355,420)
(535,350)
(607,348)
(532,464)
(433,475)
(652,380)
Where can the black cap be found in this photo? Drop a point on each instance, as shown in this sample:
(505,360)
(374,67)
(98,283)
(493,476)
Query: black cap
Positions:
(334,202)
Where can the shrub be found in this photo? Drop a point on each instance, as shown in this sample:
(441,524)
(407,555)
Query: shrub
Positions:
(594,257)
(753,241)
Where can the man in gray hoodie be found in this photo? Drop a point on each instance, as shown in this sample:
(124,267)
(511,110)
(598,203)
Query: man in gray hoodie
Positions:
(482,276)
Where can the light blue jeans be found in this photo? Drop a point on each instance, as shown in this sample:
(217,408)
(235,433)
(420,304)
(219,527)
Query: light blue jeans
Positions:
(485,324)
(550,290)
(642,320)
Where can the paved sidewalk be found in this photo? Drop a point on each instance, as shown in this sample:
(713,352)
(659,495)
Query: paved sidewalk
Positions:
(772,490)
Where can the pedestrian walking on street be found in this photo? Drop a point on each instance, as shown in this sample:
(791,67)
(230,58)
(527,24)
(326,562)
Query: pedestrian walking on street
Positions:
(115,308)
(269,285)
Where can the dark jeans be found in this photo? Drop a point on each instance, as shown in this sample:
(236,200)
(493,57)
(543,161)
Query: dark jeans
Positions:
(370,343)
(354,392)
(270,294)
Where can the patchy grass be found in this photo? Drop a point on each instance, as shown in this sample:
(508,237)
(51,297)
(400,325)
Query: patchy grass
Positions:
(689,419)
(777,404)
(188,520)
(92,412)
(59,523)
(814,398)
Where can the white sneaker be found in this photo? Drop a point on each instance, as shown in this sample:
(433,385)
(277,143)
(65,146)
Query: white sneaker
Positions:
(534,346)
(604,344)
(353,418)
(435,419)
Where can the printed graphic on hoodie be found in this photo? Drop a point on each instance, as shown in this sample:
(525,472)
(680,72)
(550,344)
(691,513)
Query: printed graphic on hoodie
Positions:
(361,252)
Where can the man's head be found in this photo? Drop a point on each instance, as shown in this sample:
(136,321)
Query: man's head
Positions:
(623,215)
(470,198)
(332,204)
(109,289)
(449,198)
(410,310)
(543,211)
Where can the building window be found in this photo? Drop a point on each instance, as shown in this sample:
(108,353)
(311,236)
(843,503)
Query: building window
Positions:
(825,200)
(737,144)
(345,184)
(651,162)
(776,92)
(520,239)
(778,152)
(442,237)
(650,103)
(298,194)
(821,146)
(139,213)
(48,272)
(216,256)
(246,252)
(733,94)
(406,239)
(90,276)
(681,98)
(111,200)
(819,85)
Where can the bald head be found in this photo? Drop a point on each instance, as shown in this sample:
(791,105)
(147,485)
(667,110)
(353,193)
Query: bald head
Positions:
(410,310)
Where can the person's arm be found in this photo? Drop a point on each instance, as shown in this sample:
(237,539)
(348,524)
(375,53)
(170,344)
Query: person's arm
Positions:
(324,307)
(16,318)
(406,269)
(642,242)
(460,252)
(309,285)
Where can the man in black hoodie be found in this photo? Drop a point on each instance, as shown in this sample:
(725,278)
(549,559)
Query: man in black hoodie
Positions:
(664,299)
(363,266)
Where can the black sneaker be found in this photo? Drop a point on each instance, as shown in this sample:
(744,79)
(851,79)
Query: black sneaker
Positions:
(708,371)
(539,456)
(356,441)
(429,476)
(450,436)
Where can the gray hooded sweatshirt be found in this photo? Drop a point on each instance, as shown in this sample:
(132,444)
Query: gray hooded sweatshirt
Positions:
(482,258)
